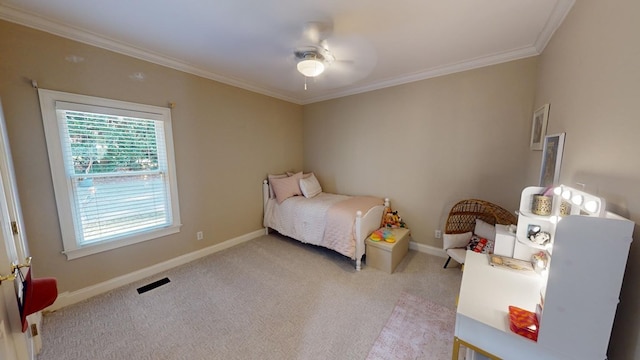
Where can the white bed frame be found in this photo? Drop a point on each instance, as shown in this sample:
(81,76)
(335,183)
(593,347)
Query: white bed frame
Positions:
(365,224)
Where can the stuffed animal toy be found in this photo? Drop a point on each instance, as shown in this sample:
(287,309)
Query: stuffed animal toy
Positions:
(391,219)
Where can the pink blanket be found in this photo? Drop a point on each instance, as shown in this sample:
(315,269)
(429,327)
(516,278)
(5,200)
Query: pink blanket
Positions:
(339,233)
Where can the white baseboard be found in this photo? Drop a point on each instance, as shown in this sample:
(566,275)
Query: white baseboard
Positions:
(68,298)
(432,250)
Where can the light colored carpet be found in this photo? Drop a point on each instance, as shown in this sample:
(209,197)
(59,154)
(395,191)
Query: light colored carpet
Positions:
(417,329)
(269,298)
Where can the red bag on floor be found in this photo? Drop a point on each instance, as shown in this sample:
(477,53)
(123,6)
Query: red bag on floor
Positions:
(37,295)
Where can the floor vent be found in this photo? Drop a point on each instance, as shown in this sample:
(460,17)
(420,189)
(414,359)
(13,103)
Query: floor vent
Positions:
(153,285)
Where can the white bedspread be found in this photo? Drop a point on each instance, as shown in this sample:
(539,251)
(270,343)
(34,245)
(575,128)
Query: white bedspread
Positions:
(301,218)
(326,220)
(339,231)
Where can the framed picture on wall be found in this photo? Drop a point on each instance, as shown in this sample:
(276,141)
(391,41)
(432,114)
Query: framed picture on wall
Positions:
(551,159)
(539,127)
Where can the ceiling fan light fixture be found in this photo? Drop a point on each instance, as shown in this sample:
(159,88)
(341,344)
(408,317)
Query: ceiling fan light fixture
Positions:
(310,67)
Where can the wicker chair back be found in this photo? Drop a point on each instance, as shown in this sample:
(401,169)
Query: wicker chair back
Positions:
(463,215)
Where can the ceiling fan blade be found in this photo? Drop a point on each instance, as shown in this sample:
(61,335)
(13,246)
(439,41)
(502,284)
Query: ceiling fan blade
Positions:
(316,31)
(354,49)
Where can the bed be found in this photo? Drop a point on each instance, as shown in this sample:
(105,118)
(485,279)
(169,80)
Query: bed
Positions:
(337,222)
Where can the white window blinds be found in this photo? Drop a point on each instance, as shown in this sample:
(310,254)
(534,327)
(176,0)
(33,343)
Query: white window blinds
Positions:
(113,172)
(116,167)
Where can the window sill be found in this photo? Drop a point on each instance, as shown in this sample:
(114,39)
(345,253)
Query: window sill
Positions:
(106,246)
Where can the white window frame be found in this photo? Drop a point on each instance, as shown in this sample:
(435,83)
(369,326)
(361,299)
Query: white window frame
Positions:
(63,188)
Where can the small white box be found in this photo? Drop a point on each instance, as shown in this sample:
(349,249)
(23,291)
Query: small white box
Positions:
(505,241)
(386,256)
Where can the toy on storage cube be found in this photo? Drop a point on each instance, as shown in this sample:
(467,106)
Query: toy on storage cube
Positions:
(391,219)
(383,234)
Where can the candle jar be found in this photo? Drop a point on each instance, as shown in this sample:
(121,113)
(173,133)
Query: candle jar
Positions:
(541,205)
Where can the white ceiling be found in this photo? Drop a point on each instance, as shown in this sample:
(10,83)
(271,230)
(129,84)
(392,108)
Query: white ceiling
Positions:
(250,43)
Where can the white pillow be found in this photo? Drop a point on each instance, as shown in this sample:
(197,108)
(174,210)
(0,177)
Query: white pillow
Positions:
(450,241)
(485,230)
(310,186)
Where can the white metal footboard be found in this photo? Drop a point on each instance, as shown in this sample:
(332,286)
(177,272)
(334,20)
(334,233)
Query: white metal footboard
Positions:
(265,198)
(365,225)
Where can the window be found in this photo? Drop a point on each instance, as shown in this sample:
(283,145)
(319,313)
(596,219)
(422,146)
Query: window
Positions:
(113,171)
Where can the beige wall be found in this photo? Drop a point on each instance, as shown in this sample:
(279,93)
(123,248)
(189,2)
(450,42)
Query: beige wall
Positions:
(590,74)
(428,144)
(425,145)
(226,141)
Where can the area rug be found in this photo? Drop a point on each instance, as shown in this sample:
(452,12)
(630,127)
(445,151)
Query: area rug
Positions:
(416,329)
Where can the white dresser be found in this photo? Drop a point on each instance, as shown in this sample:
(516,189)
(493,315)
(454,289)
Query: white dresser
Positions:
(588,254)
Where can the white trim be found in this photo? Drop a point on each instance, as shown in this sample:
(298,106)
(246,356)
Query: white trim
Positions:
(556,18)
(69,298)
(480,62)
(428,249)
(37,22)
(81,35)
(50,102)
(115,244)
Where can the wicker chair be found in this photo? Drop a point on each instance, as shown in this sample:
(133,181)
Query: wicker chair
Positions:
(462,219)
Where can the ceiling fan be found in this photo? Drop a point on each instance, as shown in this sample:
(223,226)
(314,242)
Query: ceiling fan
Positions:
(312,60)
(314,55)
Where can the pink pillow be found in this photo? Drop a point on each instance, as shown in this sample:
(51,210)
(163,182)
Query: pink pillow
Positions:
(272,195)
(285,188)
(304,176)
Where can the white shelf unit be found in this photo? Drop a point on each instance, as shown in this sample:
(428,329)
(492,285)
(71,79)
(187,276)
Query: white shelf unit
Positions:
(523,248)
(580,291)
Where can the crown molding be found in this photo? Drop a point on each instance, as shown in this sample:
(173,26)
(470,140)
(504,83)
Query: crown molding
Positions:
(558,14)
(66,31)
(488,60)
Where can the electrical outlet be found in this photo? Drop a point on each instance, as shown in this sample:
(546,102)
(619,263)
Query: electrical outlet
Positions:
(199,235)
(438,234)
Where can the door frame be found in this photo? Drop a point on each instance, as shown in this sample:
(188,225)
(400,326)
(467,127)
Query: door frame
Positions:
(13,250)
